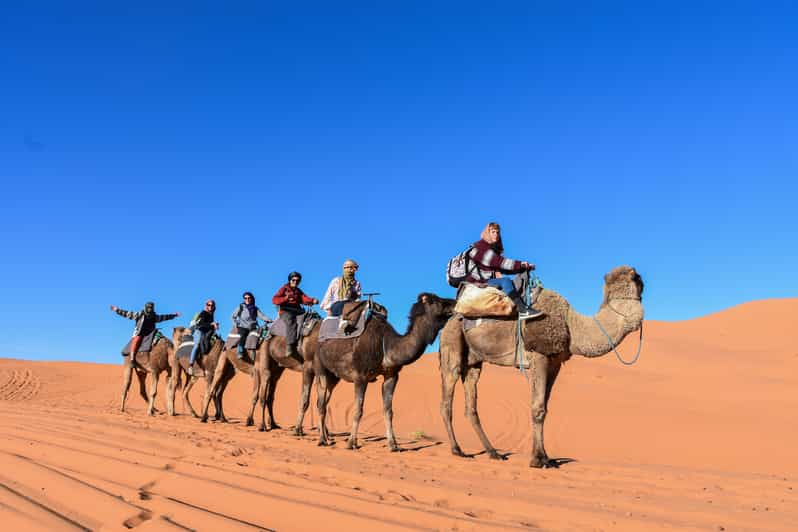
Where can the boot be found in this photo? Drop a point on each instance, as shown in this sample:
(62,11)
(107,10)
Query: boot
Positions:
(342,325)
(241,352)
(525,311)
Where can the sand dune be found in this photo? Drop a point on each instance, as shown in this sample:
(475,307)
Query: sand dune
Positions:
(700,434)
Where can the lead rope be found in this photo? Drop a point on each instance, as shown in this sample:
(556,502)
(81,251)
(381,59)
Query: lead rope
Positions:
(612,344)
(531,280)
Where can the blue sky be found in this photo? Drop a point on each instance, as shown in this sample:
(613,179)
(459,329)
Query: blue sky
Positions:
(200,150)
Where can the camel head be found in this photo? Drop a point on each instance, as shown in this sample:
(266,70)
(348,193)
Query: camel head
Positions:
(622,282)
(430,307)
(177,334)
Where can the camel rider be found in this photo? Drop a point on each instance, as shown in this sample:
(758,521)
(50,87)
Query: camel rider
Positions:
(342,289)
(202,322)
(145,324)
(489,264)
(290,298)
(245,319)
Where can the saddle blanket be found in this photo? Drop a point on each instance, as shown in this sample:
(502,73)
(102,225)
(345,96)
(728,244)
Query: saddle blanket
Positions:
(146,343)
(304,323)
(329,327)
(253,339)
(186,345)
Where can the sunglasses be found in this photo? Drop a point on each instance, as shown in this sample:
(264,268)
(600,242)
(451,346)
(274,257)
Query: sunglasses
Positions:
(294,280)
(209,305)
(247,297)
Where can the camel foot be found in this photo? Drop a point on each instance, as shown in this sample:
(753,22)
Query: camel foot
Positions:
(275,426)
(459,452)
(394,448)
(352,444)
(324,443)
(250,422)
(494,455)
(204,419)
(299,432)
(263,428)
(543,462)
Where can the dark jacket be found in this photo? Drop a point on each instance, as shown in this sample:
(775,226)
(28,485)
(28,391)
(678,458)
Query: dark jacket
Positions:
(145,323)
(202,322)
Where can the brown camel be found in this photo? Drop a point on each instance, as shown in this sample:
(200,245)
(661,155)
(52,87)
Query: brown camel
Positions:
(270,364)
(548,342)
(380,350)
(207,363)
(154,362)
(245,365)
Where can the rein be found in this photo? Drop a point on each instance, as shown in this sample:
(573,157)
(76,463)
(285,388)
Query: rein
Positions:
(609,338)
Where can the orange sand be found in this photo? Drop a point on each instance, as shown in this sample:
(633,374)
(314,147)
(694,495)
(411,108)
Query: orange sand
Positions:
(701,434)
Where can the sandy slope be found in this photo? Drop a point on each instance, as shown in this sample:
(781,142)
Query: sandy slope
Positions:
(702,434)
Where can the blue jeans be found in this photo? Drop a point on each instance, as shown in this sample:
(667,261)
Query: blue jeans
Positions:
(337,308)
(505,284)
(198,338)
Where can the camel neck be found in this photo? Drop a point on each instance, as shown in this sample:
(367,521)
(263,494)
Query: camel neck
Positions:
(618,317)
(401,350)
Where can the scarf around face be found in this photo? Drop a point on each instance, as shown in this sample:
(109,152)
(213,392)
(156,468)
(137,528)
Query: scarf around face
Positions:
(347,281)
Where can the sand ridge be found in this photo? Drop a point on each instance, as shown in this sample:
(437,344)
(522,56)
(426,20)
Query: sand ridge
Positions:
(699,435)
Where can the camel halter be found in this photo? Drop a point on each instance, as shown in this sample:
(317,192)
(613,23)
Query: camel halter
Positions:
(609,338)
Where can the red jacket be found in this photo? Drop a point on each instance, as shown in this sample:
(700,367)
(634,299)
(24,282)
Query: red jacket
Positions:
(291,297)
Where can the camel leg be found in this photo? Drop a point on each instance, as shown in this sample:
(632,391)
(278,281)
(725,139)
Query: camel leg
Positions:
(550,370)
(452,353)
(360,395)
(153,392)
(304,401)
(388,387)
(212,389)
(470,392)
(190,381)
(217,398)
(449,377)
(257,383)
(127,376)
(172,384)
(271,388)
(540,377)
(326,383)
(142,377)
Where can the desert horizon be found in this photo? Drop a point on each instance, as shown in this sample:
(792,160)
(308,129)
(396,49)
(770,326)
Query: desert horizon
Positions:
(699,434)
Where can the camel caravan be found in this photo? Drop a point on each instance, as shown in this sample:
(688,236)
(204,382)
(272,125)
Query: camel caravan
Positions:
(502,320)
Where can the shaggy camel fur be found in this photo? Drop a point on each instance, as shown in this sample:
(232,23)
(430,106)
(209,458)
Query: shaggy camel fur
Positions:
(380,350)
(227,359)
(269,366)
(548,342)
(153,363)
(207,363)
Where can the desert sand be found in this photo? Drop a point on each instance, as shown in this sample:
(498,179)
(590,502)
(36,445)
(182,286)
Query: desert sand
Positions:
(700,434)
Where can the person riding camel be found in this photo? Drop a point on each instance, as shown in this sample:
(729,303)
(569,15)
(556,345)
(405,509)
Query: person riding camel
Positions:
(245,319)
(341,290)
(145,324)
(290,298)
(204,323)
(489,264)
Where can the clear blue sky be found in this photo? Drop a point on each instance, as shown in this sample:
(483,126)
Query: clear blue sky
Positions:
(198,150)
